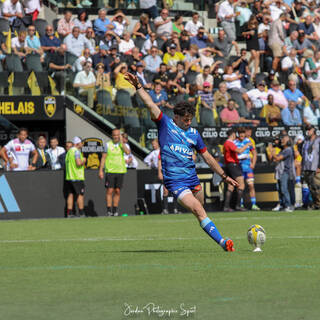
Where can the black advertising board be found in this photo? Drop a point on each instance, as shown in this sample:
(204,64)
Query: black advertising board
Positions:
(17,108)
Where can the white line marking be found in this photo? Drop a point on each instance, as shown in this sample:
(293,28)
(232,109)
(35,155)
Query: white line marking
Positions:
(143,239)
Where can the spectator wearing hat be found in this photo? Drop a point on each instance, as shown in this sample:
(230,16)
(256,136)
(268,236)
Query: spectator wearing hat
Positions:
(243,12)
(278,96)
(193,25)
(65,25)
(77,42)
(276,39)
(270,78)
(226,15)
(271,112)
(312,70)
(163,25)
(110,39)
(49,42)
(82,21)
(102,57)
(75,165)
(141,76)
(120,22)
(202,40)
(153,61)
(172,57)
(102,24)
(85,80)
(291,116)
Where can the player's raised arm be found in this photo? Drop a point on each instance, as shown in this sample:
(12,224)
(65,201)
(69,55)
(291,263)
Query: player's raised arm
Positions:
(153,108)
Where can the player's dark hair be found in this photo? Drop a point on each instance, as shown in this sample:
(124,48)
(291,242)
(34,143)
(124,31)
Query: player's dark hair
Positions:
(54,138)
(241,130)
(182,108)
(230,132)
(23,129)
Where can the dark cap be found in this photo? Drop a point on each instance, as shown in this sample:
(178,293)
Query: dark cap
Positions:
(272,72)
(114,47)
(139,64)
(262,82)
(173,46)
(309,127)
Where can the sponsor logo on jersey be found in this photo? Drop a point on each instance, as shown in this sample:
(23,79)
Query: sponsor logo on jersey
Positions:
(181,149)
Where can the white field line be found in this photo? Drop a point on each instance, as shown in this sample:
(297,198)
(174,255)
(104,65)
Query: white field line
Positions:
(142,239)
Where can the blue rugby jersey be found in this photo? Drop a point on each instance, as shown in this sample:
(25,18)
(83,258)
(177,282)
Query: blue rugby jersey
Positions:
(244,157)
(177,146)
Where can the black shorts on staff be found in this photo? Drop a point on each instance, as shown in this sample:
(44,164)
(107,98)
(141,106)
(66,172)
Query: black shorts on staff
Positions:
(114,180)
(233,170)
(75,187)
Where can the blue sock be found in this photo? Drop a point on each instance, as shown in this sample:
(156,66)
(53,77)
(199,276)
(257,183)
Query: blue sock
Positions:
(209,227)
(253,200)
(298,179)
(241,202)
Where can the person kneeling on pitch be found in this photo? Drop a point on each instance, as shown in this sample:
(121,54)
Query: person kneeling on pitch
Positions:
(177,140)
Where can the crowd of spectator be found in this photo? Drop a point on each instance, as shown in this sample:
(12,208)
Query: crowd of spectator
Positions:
(274,80)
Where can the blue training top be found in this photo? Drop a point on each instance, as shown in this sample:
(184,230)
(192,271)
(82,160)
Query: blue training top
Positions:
(244,157)
(176,147)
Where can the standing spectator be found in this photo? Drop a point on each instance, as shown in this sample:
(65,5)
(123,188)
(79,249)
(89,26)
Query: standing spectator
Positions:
(65,25)
(291,115)
(120,22)
(75,164)
(284,172)
(276,40)
(32,8)
(21,149)
(43,161)
(85,80)
(244,13)
(208,107)
(49,42)
(233,169)
(114,165)
(131,161)
(152,159)
(226,15)
(102,24)
(77,42)
(149,7)
(193,25)
(12,10)
(82,21)
(271,112)
(163,25)
(54,152)
(62,157)
(310,164)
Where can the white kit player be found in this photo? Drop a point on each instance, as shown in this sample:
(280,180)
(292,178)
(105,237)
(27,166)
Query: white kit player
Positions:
(20,149)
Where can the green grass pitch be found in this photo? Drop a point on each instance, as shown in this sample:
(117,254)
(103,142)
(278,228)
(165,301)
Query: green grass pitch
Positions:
(89,269)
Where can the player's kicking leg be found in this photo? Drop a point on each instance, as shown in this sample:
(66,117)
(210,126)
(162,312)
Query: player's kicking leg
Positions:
(194,203)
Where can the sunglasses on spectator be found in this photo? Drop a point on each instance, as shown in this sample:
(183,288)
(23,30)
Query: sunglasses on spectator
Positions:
(31,29)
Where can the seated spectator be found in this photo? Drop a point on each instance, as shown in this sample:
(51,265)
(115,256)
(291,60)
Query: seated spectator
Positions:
(82,21)
(114,58)
(13,11)
(110,39)
(102,24)
(32,8)
(207,106)
(290,115)
(102,78)
(58,67)
(178,79)
(312,70)
(172,57)
(159,95)
(102,57)
(290,63)
(120,22)
(271,112)
(141,76)
(277,8)
(153,61)
(49,42)
(294,94)
(150,42)
(163,25)
(230,115)
(258,96)
(249,112)
(206,57)
(302,43)
(221,96)
(192,60)
(205,76)
(79,63)
(311,115)
(193,25)
(278,96)
(142,29)
(223,45)
(307,27)
(163,75)
(77,42)
(121,82)
(264,25)
(289,42)
(90,36)
(19,44)
(241,64)
(174,39)
(133,59)
(33,42)
(85,81)
(151,160)
(202,40)
(65,25)
(316,25)
(3,48)
(43,159)
(177,25)
(126,44)
(54,152)
(232,79)
(184,41)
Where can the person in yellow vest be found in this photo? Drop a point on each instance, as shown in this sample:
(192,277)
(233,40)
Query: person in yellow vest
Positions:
(114,165)
(75,164)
